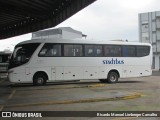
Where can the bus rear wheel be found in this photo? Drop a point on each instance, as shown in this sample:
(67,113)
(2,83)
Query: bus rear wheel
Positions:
(39,80)
(112,77)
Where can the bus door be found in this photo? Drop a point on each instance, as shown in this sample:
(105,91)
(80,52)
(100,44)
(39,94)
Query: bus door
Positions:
(101,72)
(18,61)
(53,73)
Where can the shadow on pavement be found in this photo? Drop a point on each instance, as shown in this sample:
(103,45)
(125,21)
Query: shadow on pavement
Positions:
(129,81)
(54,83)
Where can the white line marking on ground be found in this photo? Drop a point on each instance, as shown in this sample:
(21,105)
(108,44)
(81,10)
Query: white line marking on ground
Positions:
(1,108)
(11,95)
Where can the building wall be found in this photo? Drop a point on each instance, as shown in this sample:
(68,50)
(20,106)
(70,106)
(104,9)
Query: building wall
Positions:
(149,32)
(157,60)
(70,35)
(62,33)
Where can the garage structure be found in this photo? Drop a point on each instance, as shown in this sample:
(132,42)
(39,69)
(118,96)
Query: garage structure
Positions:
(19,17)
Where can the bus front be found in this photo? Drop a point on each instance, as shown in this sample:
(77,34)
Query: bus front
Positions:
(19,62)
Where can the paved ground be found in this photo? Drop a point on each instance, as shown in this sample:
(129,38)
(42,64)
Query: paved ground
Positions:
(156,73)
(134,94)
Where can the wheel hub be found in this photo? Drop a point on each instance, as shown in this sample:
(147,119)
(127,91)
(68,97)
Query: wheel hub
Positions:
(40,80)
(113,78)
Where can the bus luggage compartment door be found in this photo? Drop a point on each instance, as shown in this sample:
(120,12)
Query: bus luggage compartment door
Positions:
(53,73)
(58,73)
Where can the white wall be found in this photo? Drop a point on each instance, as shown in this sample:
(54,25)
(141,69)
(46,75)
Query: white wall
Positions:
(157,62)
(149,24)
(55,36)
(144,17)
(70,35)
(158,46)
(64,33)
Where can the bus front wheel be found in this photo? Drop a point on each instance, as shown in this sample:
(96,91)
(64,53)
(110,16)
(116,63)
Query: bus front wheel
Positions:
(39,79)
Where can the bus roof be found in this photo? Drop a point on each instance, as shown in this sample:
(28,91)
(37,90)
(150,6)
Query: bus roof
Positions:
(81,41)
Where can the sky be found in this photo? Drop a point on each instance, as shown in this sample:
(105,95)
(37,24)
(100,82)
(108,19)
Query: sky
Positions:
(102,20)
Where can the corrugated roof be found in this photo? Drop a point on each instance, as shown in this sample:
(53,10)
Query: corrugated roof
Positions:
(23,16)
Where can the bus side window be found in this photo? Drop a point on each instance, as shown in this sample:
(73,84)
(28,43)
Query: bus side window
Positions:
(128,51)
(93,50)
(50,50)
(125,51)
(56,50)
(73,50)
(89,50)
(98,50)
(112,51)
(143,51)
(68,50)
(106,51)
(43,52)
(78,50)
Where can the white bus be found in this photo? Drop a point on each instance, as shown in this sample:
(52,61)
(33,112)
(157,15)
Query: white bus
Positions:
(41,61)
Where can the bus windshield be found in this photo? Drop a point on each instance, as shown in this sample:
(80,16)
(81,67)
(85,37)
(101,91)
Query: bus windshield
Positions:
(22,54)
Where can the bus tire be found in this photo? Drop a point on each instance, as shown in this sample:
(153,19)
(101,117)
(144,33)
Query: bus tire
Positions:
(39,80)
(112,77)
